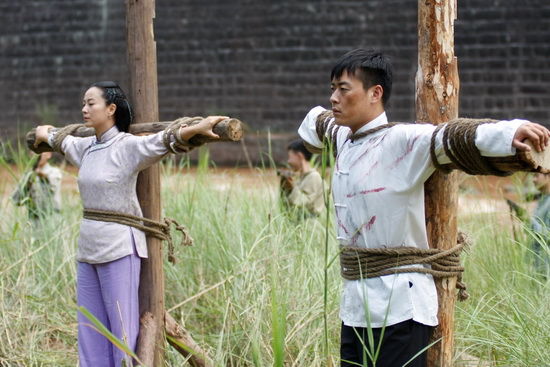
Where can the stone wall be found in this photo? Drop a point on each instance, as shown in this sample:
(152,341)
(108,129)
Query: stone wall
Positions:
(266,62)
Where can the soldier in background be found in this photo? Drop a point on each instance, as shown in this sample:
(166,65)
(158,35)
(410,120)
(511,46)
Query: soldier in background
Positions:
(540,223)
(40,189)
(302,187)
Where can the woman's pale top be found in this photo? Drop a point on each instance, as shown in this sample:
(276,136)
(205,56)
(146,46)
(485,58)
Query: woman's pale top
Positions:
(108,170)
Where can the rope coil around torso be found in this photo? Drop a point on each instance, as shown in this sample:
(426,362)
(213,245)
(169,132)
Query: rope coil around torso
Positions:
(363,263)
(160,230)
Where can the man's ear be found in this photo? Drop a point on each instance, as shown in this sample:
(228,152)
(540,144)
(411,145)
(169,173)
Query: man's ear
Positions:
(375,93)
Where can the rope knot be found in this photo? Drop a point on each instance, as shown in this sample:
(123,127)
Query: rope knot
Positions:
(160,230)
(186,239)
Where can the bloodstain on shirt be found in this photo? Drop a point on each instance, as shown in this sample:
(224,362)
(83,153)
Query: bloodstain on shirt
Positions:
(370,169)
(365,192)
(367,226)
(372,144)
(408,149)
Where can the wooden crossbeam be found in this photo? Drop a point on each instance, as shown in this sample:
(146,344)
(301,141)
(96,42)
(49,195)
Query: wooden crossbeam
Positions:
(228,130)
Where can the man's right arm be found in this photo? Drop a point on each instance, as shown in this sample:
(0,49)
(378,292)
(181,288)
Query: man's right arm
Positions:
(317,127)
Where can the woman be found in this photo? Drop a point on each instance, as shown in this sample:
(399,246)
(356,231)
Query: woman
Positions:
(109,253)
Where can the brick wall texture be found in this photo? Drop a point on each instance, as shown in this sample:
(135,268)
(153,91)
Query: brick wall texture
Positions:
(266,62)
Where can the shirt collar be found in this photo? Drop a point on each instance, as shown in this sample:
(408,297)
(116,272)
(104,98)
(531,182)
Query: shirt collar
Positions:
(380,120)
(108,135)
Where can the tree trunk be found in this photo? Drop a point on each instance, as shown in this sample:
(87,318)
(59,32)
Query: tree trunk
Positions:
(437,86)
(142,65)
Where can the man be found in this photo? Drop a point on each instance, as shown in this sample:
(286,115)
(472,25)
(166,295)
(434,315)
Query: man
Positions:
(40,189)
(378,190)
(304,194)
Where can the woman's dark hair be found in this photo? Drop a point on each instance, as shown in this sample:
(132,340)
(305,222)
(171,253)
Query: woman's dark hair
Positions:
(371,67)
(298,146)
(112,93)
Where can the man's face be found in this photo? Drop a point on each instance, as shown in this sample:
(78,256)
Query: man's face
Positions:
(352,105)
(295,160)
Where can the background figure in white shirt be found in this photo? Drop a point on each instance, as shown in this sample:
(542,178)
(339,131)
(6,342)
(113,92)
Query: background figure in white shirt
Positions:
(302,188)
(378,192)
(40,189)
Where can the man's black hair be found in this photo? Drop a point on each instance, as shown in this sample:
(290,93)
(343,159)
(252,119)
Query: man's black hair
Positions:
(371,67)
(114,94)
(299,147)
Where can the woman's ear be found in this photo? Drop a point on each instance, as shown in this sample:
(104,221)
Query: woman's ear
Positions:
(111,109)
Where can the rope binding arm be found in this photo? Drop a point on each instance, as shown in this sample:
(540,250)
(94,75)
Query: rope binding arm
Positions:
(60,134)
(172,137)
(459,145)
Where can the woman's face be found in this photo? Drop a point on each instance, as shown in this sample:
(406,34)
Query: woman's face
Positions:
(95,111)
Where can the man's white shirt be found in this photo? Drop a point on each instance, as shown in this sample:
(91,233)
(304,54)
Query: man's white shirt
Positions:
(378,192)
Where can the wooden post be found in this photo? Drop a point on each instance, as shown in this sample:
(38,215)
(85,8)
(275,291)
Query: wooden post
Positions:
(437,86)
(142,65)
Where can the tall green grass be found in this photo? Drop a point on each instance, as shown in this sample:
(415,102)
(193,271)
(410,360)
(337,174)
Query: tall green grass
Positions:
(252,290)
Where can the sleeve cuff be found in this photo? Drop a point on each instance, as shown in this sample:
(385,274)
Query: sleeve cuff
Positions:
(308,128)
(51,137)
(495,140)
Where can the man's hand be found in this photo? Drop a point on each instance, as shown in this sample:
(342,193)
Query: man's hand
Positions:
(537,134)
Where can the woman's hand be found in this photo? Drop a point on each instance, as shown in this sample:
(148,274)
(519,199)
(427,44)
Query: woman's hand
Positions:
(42,134)
(202,128)
(537,134)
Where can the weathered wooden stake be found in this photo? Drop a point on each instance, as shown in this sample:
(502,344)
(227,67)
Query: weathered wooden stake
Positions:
(437,86)
(142,66)
(180,339)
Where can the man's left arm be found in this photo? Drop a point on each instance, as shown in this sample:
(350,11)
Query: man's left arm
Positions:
(503,138)
(499,139)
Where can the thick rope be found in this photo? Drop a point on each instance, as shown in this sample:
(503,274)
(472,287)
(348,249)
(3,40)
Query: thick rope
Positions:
(459,145)
(153,228)
(354,137)
(362,263)
(61,134)
(172,138)
(325,126)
